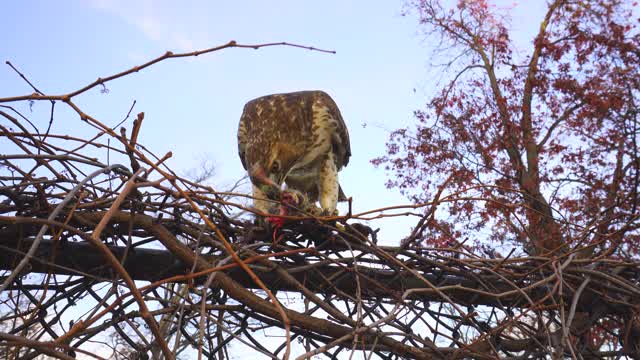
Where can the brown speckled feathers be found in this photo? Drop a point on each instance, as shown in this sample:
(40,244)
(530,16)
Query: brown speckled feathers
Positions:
(289,118)
(299,138)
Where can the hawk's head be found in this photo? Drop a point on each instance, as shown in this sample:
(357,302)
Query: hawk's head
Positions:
(272,167)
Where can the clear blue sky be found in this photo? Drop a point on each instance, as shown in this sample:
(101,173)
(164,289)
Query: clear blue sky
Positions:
(378,77)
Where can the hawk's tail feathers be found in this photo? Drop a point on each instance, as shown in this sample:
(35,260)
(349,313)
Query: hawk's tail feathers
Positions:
(341,195)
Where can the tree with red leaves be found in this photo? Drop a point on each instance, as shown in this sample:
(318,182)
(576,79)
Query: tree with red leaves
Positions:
(540,150)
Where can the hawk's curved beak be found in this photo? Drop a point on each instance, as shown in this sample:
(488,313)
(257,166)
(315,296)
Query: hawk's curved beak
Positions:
(265,182)
(277,178)
(259,176)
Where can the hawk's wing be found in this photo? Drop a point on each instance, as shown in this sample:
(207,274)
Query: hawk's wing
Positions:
(341,146)
(242,133)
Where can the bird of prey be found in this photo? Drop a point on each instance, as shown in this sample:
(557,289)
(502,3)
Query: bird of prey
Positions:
(298,139)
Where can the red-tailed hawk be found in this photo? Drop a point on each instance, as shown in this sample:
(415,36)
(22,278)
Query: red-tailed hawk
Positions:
(299,139)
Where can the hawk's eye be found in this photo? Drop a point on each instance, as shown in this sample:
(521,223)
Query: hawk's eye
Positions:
(275,167)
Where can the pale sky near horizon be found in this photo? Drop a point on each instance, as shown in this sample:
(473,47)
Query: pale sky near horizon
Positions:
(379,76)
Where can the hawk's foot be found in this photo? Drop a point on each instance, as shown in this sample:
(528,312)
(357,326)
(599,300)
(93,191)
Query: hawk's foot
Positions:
(327,212)
(313,210)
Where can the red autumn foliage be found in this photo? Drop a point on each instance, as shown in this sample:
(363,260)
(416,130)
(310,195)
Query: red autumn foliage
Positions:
(537,150)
